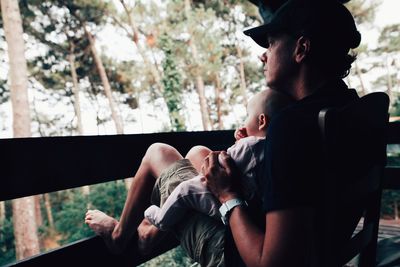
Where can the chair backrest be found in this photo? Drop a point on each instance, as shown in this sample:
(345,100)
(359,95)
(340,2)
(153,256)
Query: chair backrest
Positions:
(354,139)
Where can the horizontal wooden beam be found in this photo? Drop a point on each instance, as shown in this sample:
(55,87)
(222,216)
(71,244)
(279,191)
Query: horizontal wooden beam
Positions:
(392,178)
(33,166)
(39,165)
(394,133)
(90,252)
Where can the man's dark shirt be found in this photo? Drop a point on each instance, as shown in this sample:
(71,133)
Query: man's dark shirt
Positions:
(296,164)
(295,159)
(294,150)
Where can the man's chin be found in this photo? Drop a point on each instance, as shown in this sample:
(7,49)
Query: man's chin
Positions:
(270,84)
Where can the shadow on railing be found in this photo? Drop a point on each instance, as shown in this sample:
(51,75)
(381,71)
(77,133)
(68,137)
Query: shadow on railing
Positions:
(40,165)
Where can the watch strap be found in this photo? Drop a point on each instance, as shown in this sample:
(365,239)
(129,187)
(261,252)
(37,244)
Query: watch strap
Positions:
(227,207)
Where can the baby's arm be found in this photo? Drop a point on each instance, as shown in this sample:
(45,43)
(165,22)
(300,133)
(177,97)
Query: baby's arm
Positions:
(240,133)
(189,195)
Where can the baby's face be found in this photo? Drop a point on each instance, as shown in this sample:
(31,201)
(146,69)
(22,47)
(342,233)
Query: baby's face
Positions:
(253,111)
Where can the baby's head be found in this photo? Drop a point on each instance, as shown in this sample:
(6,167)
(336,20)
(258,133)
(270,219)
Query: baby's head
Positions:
(261,108)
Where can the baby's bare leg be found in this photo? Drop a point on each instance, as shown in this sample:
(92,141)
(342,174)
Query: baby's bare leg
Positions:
(196,156)
(157,158)
(191,194)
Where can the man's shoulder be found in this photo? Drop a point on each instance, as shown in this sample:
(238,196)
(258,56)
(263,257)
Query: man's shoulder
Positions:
(291,120)
(303,115)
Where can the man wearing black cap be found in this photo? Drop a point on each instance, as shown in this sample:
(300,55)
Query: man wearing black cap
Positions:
(308,44)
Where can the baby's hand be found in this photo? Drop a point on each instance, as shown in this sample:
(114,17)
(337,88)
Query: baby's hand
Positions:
(240,133)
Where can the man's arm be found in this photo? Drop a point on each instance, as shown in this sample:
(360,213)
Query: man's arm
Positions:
(286,240)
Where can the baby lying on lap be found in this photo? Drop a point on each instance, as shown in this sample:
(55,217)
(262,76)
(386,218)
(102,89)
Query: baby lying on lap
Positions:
(248,155)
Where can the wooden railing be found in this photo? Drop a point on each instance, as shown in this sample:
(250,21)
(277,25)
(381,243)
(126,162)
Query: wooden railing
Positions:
(33,166)
(39,165)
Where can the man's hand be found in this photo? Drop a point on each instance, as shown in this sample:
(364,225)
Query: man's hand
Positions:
(240,133)
(222,176)
(148,236)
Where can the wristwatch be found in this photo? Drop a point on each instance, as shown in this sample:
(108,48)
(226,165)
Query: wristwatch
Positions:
(227,207)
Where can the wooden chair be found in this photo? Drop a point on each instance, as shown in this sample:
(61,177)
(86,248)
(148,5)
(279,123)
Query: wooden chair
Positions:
(353,187)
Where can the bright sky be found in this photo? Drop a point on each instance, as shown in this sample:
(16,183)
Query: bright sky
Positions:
(388,13)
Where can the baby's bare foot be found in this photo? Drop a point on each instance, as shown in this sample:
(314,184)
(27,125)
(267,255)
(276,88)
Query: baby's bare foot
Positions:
(103,225)
(100,223)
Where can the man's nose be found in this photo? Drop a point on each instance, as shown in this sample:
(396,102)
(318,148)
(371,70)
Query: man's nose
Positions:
(264,57)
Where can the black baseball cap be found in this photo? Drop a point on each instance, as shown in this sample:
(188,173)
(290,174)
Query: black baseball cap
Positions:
(329,20)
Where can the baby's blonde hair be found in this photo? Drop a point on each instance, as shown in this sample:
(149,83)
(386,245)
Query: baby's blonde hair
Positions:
(270,102)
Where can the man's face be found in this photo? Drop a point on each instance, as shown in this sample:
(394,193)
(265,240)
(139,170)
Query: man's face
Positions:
(279,62)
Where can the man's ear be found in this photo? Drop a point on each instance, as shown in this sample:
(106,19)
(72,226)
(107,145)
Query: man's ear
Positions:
(303,46)
(263,121)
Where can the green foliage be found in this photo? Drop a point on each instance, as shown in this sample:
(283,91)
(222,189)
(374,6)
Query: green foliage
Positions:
(383,81)
(108,197)
(70,219)
(395,110)
(389,39)
(173,258)
(389,197)
(387,51)
(66,19)
(70,208)
(172,85)
(7,250)
(4,91)
(46,70)
(363,11)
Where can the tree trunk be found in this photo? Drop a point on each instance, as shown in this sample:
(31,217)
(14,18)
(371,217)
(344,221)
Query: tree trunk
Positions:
(135,38)
(49,213)
(397,80)
(107,89)
(25,228)
(38,216)
(348,81)
(75,90)
(202,100)
(38,211)
(106,84)
(358,72)
(389,80)
(156,75)
(218,102)
(77,102)
(18,68)
(154,70)
(199,80)
(2,213)
(243,87)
